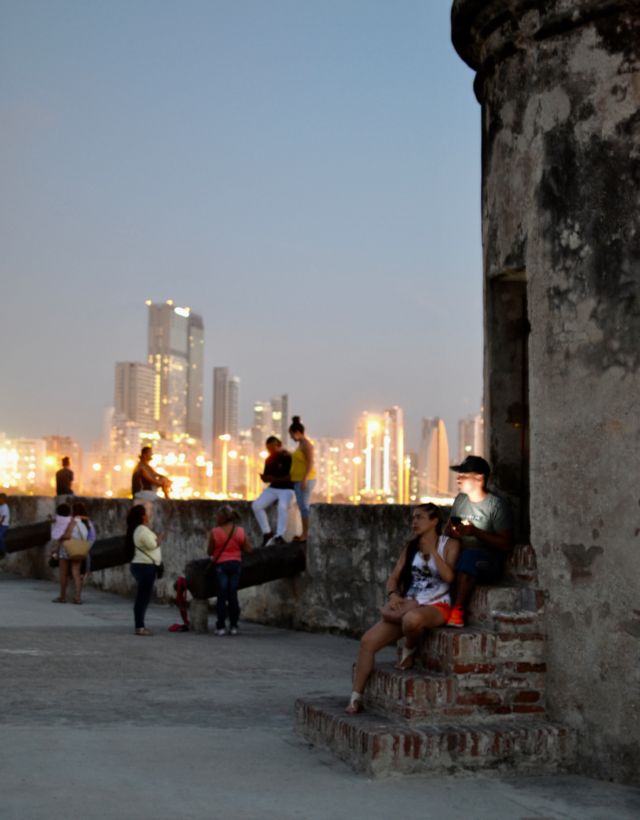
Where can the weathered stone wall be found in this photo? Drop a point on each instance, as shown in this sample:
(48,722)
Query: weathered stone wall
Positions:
(559,85)
(348,559)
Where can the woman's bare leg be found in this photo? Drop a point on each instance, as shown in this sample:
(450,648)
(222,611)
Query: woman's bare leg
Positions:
(413,625)
(379,636)
(64,577)
(77,580)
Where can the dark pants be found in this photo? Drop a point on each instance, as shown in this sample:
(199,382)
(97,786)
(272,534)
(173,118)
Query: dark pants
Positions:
(3,531)
(228,577)
(145,575)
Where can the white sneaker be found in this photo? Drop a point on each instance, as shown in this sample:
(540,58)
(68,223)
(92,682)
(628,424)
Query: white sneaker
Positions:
(277,539)
(233,630)
(221,631)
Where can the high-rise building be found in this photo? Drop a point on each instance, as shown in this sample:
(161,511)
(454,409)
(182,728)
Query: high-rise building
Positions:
(470,436)
(433,459)
(380,445)
(195,383)
(270,418)
(280,417)
(176,342)
(134,394)
(226,394)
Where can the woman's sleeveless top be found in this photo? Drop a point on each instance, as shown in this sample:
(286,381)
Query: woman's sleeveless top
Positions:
(299,466)
(427,585)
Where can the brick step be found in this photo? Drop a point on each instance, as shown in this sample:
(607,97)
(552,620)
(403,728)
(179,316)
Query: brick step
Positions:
(490,690)
(474,649)
(379,746)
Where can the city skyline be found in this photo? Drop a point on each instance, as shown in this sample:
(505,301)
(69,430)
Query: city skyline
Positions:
(299,173)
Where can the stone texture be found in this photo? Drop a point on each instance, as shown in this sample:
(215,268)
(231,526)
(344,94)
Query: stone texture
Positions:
(559,86)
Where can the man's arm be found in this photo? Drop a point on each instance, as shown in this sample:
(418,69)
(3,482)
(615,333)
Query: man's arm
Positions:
(152,476)
(502,540)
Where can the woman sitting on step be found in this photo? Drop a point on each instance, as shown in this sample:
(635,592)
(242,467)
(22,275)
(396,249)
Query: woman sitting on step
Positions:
(418,592)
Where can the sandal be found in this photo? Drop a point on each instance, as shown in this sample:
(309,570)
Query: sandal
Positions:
(406,658)
(355,704)
(58,600)
(76,601)
(143,631)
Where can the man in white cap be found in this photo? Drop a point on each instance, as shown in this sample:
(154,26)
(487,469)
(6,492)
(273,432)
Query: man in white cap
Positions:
(483,523)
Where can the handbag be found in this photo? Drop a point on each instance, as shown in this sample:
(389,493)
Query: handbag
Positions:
(76,548)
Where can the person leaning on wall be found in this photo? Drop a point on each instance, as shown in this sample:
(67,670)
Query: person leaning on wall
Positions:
(483,523)
(303,473)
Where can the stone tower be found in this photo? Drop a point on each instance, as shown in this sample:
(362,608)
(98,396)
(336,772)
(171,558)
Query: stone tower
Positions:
(559,86)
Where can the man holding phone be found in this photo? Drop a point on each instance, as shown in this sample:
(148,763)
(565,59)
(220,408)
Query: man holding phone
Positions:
(483,523)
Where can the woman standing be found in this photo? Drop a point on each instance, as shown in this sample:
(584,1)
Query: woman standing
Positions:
(418,592)
(303,473)
(147,557)
(227,542)
(77,534)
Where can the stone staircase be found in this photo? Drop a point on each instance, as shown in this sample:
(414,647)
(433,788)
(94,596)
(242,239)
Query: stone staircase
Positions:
(475,699)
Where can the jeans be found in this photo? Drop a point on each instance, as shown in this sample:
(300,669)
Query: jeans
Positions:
(268,497)
(145,575)
(3,531)
(228,578)
(303,497)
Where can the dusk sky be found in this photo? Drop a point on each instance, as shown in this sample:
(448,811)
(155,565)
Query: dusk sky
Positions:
(305,174)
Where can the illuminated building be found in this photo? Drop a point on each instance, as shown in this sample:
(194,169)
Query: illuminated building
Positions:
(226,394)
(175,352)
(336,470)
(380,444)
(271,418)
(433,459)
(226,397)
(134,394)
(470,437)
(56,448)
(23,465)
(195,378)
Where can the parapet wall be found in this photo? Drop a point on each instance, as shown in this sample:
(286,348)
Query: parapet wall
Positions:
(348,558)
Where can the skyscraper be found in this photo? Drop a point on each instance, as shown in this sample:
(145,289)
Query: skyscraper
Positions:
(433,459)
(280,417)
(470,436)
(380,443)
(195,384)
(176,343)
(134,394)
(226,396)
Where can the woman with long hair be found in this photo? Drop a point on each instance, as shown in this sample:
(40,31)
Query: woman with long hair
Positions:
(147,557)
(418,593)
(303,473)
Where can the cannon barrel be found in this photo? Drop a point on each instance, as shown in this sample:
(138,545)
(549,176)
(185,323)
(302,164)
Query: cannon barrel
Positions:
(22,538)
(258,567)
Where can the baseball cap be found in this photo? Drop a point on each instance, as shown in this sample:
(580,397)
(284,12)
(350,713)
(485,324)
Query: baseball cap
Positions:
(472,464)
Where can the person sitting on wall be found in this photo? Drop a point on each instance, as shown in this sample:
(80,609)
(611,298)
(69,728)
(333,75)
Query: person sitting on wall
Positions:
(484,524)
(145,481)
(418,592)
(277,474)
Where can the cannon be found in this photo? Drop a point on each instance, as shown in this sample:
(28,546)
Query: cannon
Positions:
(259,567)
(22,538)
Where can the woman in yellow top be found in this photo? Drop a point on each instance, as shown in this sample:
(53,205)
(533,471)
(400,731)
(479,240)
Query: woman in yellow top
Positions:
(303,473)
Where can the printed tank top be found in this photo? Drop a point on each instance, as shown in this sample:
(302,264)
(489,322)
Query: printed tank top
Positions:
(427,585)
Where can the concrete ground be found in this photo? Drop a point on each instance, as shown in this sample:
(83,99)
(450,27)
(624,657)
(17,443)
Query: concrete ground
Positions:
(98,723)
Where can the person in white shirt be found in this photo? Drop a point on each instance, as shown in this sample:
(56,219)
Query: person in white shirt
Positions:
(147,557)
(5,520)
(67,527)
